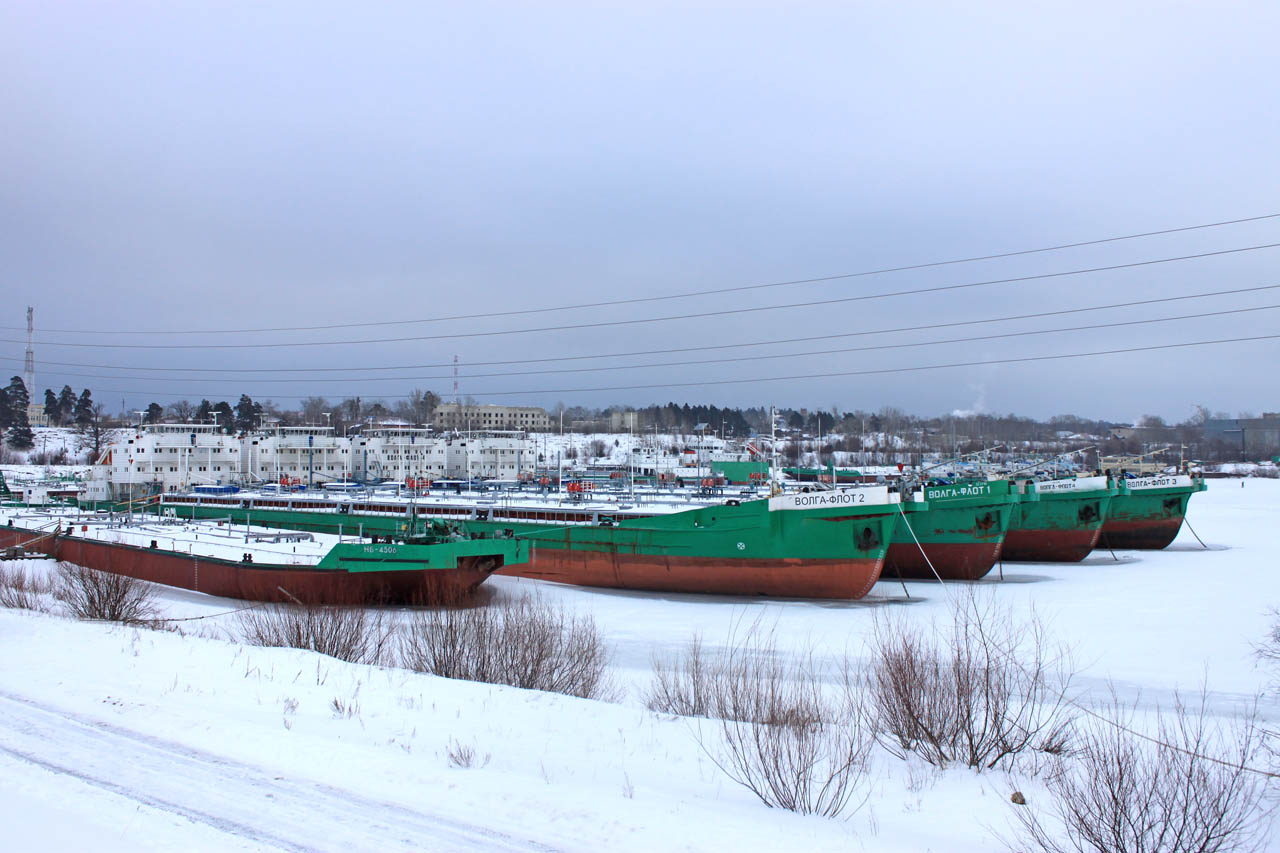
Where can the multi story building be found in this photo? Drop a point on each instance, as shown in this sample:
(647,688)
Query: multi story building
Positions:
(462,416)
(1253,436)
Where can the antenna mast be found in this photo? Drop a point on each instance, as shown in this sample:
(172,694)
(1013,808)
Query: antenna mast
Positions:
(29,368)
(456,400)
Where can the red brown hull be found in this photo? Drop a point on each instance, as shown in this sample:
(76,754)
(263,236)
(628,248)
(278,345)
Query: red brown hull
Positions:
(1049,546)
(789,578)
(258,582)
(1144,535)
(958,561)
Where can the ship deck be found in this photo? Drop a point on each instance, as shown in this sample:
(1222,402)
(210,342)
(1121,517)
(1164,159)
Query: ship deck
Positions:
(206,539)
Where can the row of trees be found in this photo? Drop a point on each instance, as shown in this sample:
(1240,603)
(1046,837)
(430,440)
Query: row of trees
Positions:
(67,409)
(249,414)
(885,432)
(62,409)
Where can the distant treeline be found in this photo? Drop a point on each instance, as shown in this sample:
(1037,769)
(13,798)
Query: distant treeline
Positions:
(890,433)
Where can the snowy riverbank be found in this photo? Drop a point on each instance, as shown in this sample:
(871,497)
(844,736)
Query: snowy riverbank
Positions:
(132,739)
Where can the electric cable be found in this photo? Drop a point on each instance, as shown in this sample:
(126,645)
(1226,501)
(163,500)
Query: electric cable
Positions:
(686,295)
(664,351)
(795,377)
(734,359)
(643,320)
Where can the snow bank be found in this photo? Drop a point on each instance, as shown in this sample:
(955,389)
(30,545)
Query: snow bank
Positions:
(128,739)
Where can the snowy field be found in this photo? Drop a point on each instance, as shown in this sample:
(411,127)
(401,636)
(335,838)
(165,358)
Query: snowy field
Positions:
(124,739)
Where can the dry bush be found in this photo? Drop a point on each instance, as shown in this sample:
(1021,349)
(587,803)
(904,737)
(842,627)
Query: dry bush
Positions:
(783,734)
(1269,649)
(1186,788)
(463,756)
(979,691)
(20,589)
(92,594)
(683,686)
(460,755)
(355,634)
(524,642)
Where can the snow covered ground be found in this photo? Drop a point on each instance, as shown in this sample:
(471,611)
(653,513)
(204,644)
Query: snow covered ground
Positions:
(117,739)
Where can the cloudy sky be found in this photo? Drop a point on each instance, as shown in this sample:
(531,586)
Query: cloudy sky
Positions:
(464,177)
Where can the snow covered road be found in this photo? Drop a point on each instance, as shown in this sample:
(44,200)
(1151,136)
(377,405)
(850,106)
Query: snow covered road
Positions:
(237,799)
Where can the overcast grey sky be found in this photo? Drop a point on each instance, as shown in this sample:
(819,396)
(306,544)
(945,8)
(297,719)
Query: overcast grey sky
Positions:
(171,167)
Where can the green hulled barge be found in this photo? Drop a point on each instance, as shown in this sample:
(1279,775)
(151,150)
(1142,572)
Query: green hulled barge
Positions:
(820,544)
(1147,512)
(1064,521)
(961,534)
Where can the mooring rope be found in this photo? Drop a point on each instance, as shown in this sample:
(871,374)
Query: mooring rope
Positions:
(912,531)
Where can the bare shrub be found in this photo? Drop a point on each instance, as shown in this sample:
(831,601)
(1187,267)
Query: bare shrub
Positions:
(782,734)
(92,594)
(461,755)
(979,691)
(1189,787)
(355,634)
(683,685)
(1269,649)
(524,642)
(20,589)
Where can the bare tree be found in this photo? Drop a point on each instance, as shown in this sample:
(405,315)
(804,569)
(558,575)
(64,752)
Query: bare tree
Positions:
(95,430)
(314,410)
(421,405)
(181,411)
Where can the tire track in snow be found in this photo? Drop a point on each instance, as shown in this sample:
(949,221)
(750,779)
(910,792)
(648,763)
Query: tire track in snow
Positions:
(239,799)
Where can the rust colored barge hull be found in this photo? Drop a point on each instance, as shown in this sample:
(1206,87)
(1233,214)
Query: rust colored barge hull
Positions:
(790,578)
(1050,545)
(260,582)
(953,561)
(1140,534)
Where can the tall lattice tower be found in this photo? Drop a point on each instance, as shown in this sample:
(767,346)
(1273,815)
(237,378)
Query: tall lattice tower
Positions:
(29,369)
(35,404)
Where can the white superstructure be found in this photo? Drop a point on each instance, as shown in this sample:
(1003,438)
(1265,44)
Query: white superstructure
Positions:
(171,457)
(491,456)
(175,457)
(296,455)
(398,453)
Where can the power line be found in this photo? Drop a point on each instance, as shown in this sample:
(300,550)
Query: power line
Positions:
(664,351)
(686,295)
(734,359)
(792,378)
(639,321)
